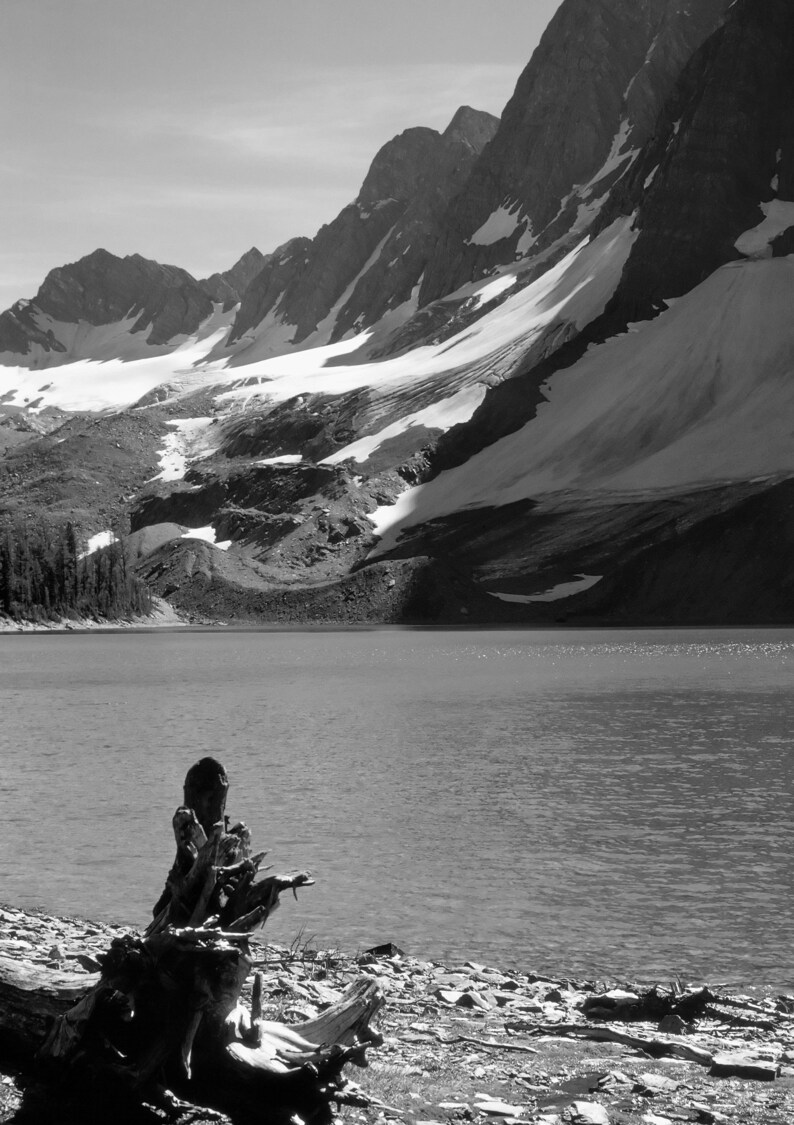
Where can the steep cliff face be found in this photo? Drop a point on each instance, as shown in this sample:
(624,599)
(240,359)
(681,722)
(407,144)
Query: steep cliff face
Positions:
(720,164)
(101,289)
(370,258)
(582,109)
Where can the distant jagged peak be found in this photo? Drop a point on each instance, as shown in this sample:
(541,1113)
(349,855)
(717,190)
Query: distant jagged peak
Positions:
(228,287)
(249,257)
(473,127)
(101,289)
(368,260)
(279,269)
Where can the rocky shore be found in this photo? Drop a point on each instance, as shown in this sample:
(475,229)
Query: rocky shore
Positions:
(473,1043)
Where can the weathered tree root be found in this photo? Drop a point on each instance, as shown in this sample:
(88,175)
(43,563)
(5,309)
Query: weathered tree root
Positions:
(166,1013)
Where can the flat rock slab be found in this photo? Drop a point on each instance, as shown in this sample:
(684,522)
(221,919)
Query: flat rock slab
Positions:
(727,1064)
(494,1107)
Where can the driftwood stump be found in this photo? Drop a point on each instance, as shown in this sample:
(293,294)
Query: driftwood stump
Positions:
(165,1021)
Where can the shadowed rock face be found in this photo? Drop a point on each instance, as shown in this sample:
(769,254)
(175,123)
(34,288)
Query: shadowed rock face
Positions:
(724,145)
(19,331)
(408,186)
(601,64)
(102,289)
(264,291)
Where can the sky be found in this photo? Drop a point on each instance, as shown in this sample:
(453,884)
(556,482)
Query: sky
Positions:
(190,130)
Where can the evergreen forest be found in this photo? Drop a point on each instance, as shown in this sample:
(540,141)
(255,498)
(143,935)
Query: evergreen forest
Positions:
(46,575)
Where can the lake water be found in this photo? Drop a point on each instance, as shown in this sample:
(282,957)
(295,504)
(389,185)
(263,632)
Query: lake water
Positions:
(584,802)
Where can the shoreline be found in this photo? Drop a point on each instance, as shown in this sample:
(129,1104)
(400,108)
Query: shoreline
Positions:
(467,1041)
(166,617)
(163,616)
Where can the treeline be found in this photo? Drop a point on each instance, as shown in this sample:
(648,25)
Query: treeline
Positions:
(45,576)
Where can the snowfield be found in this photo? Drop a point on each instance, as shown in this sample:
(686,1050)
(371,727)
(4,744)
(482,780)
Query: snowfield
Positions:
(111,384)
(700,395)
(451,375)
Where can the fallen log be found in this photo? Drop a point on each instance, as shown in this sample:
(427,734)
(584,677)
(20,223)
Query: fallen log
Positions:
(165,1013)
(656,1047)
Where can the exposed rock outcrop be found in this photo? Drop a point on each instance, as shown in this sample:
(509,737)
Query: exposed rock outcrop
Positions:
(723,146)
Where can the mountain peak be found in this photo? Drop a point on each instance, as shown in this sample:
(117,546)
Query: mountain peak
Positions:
(474,127)
(229,286)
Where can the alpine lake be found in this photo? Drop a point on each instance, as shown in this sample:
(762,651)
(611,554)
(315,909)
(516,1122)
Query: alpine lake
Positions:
(597,803)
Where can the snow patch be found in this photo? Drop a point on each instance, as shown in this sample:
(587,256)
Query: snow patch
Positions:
(97,542)
(500,224)
(613,161)
(493,289)
(180,445)
(575,290)
(556,593)
(284,459)
(757,243)
(207,535)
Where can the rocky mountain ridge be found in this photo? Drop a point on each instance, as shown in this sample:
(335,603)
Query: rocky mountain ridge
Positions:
(368,261)
(159,302)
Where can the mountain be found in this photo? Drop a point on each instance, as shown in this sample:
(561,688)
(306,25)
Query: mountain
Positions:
(539,370)
(370,259)
(102,291)
(581,112)
(227,288)
(670,414)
